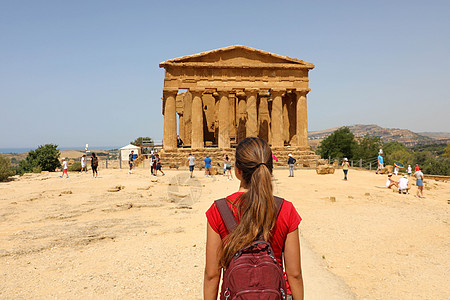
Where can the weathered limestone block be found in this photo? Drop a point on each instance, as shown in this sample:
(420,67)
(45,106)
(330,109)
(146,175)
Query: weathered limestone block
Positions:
(322,162)
(325,169)
(335,163)
(387,169)
(213,171)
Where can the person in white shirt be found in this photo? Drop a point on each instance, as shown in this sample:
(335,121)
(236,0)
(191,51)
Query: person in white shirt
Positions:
(409,170)
(391,182)
(403,186)
(83,164)
(64,166)
(396,169)
(191,160)
(419,182)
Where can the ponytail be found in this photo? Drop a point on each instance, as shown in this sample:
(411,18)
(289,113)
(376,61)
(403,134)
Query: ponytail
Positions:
(256,208)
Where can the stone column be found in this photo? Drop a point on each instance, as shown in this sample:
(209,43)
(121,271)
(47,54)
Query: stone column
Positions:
(187,118)
(181,127)
(286,121)
(277,118)
(302,119)
(170,119)
(252,114)
(264,118)
(232,113)
(241,115)
(197,120)
(224,119)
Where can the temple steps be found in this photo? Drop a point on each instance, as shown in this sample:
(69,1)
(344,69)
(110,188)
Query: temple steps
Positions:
(178,158)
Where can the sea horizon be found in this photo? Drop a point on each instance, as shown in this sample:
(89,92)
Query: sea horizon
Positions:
(28,149)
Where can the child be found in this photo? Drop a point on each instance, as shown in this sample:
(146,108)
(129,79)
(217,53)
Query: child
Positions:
(64,166)
(83,164)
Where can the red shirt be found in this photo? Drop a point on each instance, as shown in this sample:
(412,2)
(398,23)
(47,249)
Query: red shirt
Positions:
(417,168)
(287,221)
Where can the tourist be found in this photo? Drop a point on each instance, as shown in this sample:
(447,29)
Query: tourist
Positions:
(158,165)
(228,168)
(417,168)
(94,165)
(345,167)
(208,166)
(291,164)
(64,167)
(224,165)
(256,210)
(152,161)
(396,169)
(191,161)
(83,164)
(409,170)
(391,182)
(380,163)
(419,182)
(131,161)
(403,185)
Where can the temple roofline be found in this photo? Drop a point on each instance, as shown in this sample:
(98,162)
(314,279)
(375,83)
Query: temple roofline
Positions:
(290,61)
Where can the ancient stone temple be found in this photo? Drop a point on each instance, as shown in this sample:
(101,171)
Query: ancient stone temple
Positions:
(214,99)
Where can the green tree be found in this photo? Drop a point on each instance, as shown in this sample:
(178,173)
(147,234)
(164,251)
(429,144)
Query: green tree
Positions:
(421,158)
(447,151)
(5,168)
(368,147)
(402,156)
(437,166)
(45,158)
(341,143)
(142,141)
(397,152)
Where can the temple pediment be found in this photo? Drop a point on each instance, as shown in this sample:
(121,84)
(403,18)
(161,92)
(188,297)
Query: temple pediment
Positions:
(237,56)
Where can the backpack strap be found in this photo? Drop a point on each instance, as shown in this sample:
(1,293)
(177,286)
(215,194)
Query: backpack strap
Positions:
(278,204)
(227,214)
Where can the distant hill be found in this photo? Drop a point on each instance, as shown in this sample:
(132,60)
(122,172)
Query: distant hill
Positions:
(436,135)
(404,136)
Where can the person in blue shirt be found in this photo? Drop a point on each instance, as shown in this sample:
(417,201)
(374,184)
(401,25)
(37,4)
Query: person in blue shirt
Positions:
(208,166)
(380,163)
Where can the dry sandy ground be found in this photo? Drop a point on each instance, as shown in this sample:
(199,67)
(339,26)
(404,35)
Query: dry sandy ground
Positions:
(72,238)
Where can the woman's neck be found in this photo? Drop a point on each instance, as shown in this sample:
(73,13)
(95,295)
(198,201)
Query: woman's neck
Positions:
(242,188)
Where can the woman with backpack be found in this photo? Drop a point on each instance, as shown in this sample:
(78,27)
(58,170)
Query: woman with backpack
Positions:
(94,164)
(265,228)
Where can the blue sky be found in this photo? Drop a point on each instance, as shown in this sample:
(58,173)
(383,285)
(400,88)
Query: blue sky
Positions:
(82,72)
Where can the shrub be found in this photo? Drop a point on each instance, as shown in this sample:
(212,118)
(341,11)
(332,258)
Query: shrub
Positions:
(5,168)
(36,169)
(75,167)
(46,157)
(437,166)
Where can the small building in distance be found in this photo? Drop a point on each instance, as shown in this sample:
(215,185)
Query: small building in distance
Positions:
(126,150)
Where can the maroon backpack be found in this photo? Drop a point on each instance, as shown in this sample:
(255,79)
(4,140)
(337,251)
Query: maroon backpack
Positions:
(254,272)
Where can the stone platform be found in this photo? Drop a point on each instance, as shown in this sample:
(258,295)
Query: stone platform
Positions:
(178,158)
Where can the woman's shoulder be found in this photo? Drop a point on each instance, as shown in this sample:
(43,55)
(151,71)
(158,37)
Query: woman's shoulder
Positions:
(287,205)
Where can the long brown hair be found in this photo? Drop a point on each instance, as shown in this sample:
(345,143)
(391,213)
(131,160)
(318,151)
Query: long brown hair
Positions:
(256,207)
